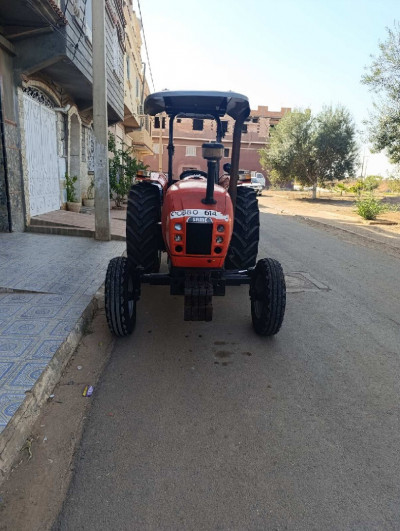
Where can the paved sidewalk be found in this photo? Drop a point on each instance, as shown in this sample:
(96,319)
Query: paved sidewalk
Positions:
(62,222)
(46,283)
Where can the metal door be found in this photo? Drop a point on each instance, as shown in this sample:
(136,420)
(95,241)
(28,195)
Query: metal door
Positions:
(41,155)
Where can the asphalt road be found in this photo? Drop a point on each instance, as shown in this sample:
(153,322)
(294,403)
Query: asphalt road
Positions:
(207,426)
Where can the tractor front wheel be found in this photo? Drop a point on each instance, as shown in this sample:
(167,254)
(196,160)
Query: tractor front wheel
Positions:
(268,297)
(242,252)
(142,230)
(120,297)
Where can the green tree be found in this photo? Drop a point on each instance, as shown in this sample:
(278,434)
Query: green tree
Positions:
(311,149)
(383,79)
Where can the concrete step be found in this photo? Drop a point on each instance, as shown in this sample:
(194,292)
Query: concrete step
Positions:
(62,220)
(63,230)
(48,223)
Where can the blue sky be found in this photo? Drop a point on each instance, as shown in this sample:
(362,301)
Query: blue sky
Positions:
(286,53)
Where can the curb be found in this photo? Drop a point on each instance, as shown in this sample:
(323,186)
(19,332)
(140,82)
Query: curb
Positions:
(369,239)
(315,223)
(19,427)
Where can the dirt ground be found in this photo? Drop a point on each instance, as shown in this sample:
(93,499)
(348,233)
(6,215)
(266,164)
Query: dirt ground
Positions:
(332,207)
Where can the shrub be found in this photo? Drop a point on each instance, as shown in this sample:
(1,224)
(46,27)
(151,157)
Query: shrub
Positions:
(394,185)
(370,207)
(341,187)
(357,188)
(122,170)
(70,188)
(372,182)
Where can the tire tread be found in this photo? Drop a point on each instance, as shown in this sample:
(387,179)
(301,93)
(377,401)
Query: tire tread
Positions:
(243,249)
(142,217)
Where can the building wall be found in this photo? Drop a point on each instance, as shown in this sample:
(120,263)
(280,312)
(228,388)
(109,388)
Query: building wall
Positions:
(256,137)
(137,127)
(13,150)
(133,68)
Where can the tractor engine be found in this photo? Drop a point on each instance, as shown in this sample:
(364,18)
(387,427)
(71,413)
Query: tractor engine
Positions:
(197,217)
(197,234)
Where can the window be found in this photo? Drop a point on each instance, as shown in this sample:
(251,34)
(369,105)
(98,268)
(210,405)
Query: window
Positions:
(198,124)
(226,152)
(157,123)
(178,120)
(254,120)
(244,128)
(190,151)
(128,68)
(224,125)
(137,88)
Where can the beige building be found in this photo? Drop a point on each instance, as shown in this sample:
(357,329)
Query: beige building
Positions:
(135,130)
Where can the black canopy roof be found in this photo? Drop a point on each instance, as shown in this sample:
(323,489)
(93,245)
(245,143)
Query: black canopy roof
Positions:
(197,102)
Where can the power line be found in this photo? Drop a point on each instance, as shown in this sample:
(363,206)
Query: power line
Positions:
(145,45)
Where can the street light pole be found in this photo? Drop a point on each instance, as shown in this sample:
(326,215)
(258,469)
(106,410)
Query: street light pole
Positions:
(101,179)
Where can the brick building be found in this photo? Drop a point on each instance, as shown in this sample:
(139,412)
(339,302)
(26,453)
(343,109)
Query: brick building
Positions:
(190,134)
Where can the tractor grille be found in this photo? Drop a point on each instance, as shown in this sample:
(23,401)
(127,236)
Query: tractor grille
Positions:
(198,238)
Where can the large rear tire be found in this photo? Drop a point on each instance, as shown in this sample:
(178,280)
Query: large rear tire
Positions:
(243,249)
(120,299)
(142,230)
(268,297)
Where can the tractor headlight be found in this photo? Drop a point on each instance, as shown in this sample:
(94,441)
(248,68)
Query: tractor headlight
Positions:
(178,238)
(178,226)
(219,239)
(220,228)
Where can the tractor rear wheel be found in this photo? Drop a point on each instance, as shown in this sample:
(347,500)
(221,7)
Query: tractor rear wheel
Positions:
(242,252)
(142,230)
(120,297)
(268,297)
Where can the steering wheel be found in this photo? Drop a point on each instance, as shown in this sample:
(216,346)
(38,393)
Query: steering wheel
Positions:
(192,173)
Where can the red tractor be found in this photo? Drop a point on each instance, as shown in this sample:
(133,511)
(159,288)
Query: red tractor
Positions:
(209,232)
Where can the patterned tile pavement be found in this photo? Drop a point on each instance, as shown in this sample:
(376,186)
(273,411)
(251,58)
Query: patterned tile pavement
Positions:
(56,277)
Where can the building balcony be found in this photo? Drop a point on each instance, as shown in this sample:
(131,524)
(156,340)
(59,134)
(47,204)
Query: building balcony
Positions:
(142,141)
(131,118)
(58,46)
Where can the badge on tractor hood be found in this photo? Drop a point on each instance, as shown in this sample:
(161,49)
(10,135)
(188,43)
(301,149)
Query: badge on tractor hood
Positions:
(201,213)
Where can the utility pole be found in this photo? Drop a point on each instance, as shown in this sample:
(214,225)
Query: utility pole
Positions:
(101,179)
